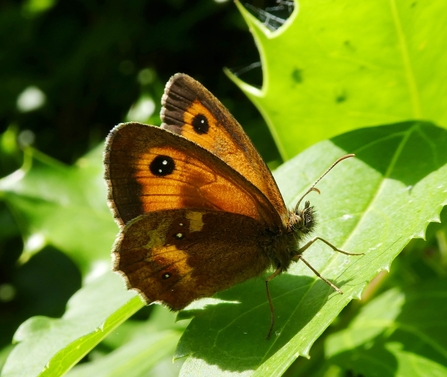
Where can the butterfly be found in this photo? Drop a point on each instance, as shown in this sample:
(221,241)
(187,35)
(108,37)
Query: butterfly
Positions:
(197,207)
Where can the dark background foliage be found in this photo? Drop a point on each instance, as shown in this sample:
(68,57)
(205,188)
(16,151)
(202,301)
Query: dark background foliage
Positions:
(87,58)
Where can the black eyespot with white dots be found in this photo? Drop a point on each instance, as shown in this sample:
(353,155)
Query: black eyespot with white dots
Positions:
(162,166)
(200,124)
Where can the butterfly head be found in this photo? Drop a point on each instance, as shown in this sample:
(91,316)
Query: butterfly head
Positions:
(302,221)
(286,244)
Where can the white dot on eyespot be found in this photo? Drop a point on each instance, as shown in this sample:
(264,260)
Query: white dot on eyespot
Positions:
(180,224)
(165,162)
(179,235)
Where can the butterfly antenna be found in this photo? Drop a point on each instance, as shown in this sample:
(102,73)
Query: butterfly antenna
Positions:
(313,188)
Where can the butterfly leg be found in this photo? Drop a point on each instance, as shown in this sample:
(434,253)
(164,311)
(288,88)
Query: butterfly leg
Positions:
(296,258)
(300,257)
(272,308)
(306,246)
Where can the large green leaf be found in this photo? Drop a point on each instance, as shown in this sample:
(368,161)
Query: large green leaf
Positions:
(139,352)
(400,333)
(374,204)
(50,347)
(341,65)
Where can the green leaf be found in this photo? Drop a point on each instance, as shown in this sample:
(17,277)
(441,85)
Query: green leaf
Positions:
(339,65)
(137,348)
(400,333)
(375,204)
(62,206)
(50,347)
(136,358)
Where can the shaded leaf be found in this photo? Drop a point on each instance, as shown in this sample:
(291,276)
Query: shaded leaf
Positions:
(400,333)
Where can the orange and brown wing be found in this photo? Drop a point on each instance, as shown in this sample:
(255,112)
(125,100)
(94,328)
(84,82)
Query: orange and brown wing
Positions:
(177,256)
(190,110)
(149,169)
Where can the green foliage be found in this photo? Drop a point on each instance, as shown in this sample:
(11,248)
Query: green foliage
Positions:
(363,63)
(401,332)
(63,342)
(54,203)
(325,73)
(374,204)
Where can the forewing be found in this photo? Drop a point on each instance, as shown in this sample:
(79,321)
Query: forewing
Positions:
(149,169)
(190,110)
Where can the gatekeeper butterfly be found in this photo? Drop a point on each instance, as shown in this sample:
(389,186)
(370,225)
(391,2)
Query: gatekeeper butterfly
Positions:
(197,207)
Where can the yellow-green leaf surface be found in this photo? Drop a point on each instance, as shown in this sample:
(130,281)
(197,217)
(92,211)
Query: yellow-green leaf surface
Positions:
(340,65)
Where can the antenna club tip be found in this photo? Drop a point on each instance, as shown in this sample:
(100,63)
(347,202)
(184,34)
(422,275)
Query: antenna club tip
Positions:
(349,155)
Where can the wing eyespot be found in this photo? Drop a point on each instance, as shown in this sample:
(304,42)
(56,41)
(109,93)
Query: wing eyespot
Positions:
(162,166)
(200,124)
